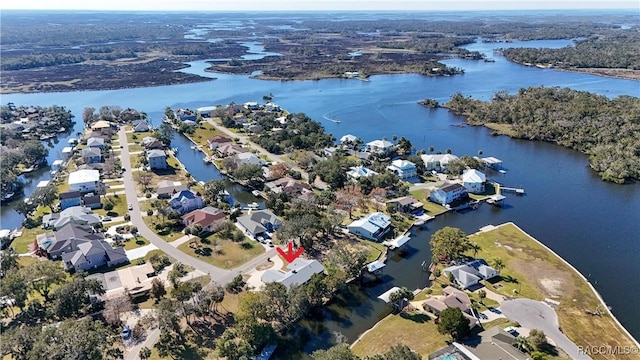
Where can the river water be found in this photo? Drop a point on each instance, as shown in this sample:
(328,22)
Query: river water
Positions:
(592,224)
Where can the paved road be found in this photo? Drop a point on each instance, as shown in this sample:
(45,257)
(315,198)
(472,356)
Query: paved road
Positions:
(280,158)
(534,314)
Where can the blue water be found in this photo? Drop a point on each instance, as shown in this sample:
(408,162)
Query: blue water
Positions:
(592,224)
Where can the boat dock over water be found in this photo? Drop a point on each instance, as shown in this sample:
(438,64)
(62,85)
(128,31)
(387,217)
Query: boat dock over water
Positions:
(518,191)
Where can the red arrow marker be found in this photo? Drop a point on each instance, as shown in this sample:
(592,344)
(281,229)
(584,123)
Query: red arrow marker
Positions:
(290,255)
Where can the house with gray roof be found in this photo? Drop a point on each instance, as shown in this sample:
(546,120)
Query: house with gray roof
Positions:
(70,198)
(95,142)
(80,215)
(140,126)
(157,159)
(167,188)
(373,226)
(80,248)
(300,272)
(91,155)
(185,201)
(493,343)
(258,222)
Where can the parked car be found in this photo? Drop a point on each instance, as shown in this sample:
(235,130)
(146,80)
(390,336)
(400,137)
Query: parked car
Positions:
(126,332)
(106,218)
(495,311)
(483,316)
(130,206)
(260,239)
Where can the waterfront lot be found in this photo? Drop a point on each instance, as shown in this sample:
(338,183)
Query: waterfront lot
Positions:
(225,253)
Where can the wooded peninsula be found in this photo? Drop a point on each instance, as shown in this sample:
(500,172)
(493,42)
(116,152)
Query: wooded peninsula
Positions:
(608,130)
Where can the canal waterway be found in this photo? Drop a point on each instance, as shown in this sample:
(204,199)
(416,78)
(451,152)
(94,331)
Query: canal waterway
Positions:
(592,224)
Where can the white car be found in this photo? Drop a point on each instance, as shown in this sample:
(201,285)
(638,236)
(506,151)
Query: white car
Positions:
(130,206)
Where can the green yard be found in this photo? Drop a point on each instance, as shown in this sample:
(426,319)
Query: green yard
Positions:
(229,254)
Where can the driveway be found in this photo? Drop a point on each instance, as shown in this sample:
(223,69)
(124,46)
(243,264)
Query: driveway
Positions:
(534,314)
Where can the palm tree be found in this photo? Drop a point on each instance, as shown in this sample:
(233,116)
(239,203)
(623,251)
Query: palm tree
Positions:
(475,248)
(431,149)
(523,344)
(497,264)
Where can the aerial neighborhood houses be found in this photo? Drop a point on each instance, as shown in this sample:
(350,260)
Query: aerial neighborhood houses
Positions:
(300,272)
(259,223)
(404,169)
(372,226)
(186,201)
(452,298)
(469,274)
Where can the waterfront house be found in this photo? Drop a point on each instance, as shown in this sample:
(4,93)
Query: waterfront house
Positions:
(91,155)
(452,298)
(215,141)
(258,222)
(157,159)
(102,125)
(405,204)
(373,226)
(300,272)
(85,181)
(271,107)
(251,105)
(209,218)
(403,168)
(348,139)
(485,271)
(465,276)
(95,142)
(289,186)
(185,114)
(206,111)
(492,162)
(473,180)
(229,149)
(150,143)
(140,126)
(247,158)
(185,201)
(356,172)
(493,343)
(167,188)
(437,162)
(448,194)
(381,147)
(190,123)
(69,198)
(80,215)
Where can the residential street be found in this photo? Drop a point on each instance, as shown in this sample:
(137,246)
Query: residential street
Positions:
(218,275)
(534,314)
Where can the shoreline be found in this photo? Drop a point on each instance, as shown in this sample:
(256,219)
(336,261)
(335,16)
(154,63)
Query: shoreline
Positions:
(591,287)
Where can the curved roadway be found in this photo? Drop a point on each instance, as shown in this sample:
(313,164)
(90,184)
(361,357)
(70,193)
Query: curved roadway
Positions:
(534,314)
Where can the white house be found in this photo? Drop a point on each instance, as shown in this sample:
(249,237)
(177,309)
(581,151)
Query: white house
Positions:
(403,168)
(157,159)
(473,180)
(215,141)
(372,226)
(437,162)
(464,275)
(379,146)
(348,139)
(492,162)
(85,181)
(247,158)
(251,105)
(271,107)
(67,152)
(186,201)
(448,194)
(95,142)
(357,172)
(300,272)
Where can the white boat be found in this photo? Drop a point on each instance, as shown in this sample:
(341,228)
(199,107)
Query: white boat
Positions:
(256,193)
(193,147)
(253,205)
(502,171)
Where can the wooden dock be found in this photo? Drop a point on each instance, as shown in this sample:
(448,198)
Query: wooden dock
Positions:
(518,191)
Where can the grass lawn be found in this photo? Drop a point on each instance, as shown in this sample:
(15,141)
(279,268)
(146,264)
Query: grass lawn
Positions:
(489,189)
(167,235)
(505,129)
(376,250)
(431,208)
(204,132)
(119,206)
(138,136)
(231,254)
(416,330)
(135,243)
(21,244)
(534,272)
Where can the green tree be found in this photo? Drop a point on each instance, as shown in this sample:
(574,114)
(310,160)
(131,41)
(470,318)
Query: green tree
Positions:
(45,196)
(115,307)
(523,344)
(72,299)
(145,353)
(212,191)
(448,243)
(452,322)
(41,275)
(538,340)
(336,352)
(497,264)
(401,352)
(158,290)
(164,133)
(400,296)
(13,285)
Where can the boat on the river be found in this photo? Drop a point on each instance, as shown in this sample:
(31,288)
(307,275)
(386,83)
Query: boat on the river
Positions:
(256,193)
(253,205)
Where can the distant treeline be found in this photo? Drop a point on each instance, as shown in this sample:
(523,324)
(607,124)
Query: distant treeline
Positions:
(619,51)
(608,130)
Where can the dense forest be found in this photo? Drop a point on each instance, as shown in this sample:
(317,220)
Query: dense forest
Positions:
(608,130)
(618,50)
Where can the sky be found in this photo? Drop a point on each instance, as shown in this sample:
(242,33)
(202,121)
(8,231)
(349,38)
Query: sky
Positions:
(305,5)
